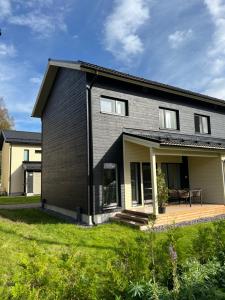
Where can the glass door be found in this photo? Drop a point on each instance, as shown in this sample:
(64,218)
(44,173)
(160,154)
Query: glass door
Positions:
(147,182)
(110,185)
(135,183)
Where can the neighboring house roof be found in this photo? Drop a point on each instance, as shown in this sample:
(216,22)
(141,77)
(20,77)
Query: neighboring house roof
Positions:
(32,165)
(20,137)
(53,66)
(177,140)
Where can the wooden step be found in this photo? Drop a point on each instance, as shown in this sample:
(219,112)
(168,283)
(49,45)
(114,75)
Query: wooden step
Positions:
(126,216)
(134,224)
(137,213)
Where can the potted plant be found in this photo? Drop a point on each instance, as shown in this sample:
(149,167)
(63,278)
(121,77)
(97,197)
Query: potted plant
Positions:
(162,190)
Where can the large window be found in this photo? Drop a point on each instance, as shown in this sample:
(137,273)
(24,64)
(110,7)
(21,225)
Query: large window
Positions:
(113,106)
(172,172)
(202,124)
(168,119)
(110,185)
(26,155)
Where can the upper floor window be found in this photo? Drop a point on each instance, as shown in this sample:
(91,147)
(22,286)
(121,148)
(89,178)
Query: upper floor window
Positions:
(168,119)
(202,124)
(26,155)
(38,151)
(114,106)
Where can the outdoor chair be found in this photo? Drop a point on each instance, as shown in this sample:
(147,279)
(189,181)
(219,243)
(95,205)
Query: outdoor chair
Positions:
(196,194)
(173,195)
(183,195)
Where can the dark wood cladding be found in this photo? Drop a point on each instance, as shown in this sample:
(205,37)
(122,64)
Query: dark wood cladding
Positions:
(64,169)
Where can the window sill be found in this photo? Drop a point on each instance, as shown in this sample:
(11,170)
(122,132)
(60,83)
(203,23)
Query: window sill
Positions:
(199,133)
(115,115)
(169,129)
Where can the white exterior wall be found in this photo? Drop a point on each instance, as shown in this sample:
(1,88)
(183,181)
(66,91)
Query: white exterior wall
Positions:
(5,167)
(17,172)
(206,173)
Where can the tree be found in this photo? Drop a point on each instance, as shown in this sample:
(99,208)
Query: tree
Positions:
(6,121)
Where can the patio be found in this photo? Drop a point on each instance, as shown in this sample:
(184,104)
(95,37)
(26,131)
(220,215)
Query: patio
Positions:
(174,214)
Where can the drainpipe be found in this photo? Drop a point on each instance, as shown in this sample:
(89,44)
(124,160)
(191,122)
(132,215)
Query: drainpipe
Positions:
(10,170)
(91,199)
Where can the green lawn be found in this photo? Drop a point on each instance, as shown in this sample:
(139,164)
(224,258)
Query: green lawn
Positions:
(19,200)
(34,243)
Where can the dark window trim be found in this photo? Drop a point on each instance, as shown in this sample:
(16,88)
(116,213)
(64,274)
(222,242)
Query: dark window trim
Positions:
(115,204)
(177,119)
(38,151)
(209,124)
(119,100)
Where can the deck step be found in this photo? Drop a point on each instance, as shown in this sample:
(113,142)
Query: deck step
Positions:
(137,213)
(134,224)
(131,217)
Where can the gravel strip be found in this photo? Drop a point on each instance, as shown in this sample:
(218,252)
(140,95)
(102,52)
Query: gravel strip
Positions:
(20,206)
(192,222)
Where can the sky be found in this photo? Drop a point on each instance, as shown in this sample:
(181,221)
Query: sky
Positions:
(177,42)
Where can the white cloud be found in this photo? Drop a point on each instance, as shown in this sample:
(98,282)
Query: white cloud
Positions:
(42,17)
(5,8)
(39,23)
(216,51)
(122,27)
(7,50)
(216,88)
(179,38)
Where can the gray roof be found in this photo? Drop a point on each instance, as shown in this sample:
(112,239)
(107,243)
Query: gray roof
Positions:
(177,140)
(20,137)
(53,66)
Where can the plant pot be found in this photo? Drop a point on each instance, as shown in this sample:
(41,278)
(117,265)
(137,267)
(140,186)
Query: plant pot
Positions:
(162,210)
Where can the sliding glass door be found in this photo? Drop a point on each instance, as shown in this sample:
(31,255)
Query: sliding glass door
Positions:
(135,183)
(141,184)
(147,182)
(172,173)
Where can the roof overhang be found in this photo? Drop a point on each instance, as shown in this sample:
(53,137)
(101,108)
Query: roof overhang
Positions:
(54,65)
(32,166)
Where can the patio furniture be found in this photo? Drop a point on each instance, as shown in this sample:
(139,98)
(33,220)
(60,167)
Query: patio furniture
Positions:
(184,195)
(195,194)
(173,195)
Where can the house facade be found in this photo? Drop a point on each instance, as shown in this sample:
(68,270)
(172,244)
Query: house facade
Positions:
(21,163)
(114,130)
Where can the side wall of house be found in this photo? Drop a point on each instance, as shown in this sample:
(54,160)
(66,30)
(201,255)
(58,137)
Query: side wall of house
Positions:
(143,107)
(17,171)
(206,173)
(5,167)
(64,144)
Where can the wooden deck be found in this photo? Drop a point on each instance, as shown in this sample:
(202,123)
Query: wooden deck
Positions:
(139,216)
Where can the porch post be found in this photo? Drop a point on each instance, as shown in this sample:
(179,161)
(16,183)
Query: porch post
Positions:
(154,181)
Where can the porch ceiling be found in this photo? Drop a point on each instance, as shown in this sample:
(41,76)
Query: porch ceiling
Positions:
(165,139)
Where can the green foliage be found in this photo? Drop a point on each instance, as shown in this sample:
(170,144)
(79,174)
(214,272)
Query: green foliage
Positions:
(19,200)
(6,121)
(162,188)
(45,258)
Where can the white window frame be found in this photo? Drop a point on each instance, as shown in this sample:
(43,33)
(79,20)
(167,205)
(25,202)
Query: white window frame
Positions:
(162,122)
(115,103)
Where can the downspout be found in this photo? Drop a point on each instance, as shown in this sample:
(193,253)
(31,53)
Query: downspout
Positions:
(91,199)
(10,170)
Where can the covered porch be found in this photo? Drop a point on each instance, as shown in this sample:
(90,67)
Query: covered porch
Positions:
(187,164)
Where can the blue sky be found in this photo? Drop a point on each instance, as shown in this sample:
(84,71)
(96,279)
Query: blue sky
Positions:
(178,42)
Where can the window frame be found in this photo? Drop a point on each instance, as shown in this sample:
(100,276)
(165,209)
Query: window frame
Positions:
(108,166)
(116,100)
(177,119)
(38,151)
(28,154)
(208,124)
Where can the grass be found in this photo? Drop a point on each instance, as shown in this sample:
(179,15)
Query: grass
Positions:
(6,200)
(21,229)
